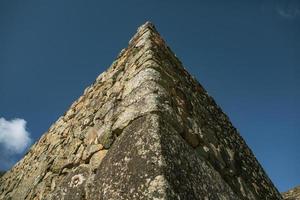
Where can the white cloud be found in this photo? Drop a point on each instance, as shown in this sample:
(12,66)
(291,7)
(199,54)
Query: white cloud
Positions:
(13,135)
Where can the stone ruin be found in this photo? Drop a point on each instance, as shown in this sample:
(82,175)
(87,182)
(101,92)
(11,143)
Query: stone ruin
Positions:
(145,129)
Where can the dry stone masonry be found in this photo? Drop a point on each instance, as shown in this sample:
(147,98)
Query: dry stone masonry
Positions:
(293,194)
(145,129)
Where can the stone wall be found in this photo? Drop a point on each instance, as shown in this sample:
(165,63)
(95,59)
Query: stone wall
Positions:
(144,129)
(293,194)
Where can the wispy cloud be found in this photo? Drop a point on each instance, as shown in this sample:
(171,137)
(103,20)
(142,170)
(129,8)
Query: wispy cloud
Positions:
(288,9)
(14,139)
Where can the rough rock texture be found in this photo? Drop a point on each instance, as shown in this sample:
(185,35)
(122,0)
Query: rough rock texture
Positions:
(145,129)
(293,194)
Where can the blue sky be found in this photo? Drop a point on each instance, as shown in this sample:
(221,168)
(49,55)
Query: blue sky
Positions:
(245,53)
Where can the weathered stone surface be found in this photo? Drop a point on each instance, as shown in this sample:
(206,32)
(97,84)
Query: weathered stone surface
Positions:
(145,129)
(293,194)
(97,158)
(147,162)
